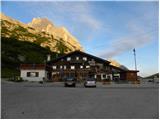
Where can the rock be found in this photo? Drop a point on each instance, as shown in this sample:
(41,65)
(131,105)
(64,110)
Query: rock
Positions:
(43,24)
(41,31)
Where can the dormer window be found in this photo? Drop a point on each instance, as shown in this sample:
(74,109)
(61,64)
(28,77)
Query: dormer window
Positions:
(68,58)
(85,58)
(54,67)
(87,66)
(77,58)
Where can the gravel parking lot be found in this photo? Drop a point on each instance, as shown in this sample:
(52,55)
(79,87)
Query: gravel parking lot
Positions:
(33,100)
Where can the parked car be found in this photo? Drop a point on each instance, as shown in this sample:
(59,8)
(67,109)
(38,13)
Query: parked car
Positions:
(70,81)
(90,82)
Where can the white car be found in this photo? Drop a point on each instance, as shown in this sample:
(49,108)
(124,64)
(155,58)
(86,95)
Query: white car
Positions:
(90,82)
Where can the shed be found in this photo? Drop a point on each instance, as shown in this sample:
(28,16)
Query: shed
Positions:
(33,72)
(130,75)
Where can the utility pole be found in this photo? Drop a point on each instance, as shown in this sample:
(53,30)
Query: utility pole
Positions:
(134,52)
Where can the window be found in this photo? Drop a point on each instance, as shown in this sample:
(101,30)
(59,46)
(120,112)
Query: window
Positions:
(95,76)
(72,67)
(28,74)
(32,74)
(64,67)
(108,77)
(81,66)
(104,76)
(61,67)
(77,58)
(68,58)
(85,58)
(54,67)
(87,66)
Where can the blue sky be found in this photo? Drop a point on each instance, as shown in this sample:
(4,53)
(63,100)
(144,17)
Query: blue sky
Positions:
(108,29)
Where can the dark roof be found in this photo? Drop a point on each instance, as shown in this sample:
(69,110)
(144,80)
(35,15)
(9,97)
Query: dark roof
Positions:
(131,71)
(32,66)
(123,70)
(77,51)
(118,68)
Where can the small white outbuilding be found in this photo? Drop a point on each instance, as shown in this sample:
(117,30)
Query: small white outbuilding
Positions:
(33,72)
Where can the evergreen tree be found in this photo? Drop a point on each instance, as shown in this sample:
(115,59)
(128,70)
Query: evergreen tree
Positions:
(61,47)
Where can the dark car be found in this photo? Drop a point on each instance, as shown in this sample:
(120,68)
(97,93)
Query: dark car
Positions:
(70,81)
(150,80)
(90,82)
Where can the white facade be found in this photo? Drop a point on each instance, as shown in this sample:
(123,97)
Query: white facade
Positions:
(33,75)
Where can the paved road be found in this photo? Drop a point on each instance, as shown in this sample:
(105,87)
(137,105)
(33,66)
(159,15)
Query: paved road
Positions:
(22,101)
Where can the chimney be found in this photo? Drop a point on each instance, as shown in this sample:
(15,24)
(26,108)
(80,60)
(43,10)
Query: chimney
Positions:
(48,57)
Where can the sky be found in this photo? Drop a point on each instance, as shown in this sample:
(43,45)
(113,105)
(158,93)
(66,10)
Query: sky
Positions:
(107,29)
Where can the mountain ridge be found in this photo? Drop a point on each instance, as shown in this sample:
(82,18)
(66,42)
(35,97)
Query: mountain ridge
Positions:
(40,30)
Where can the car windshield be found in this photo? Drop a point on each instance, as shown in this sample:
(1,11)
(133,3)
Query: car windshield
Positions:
(90,79)
(71,78)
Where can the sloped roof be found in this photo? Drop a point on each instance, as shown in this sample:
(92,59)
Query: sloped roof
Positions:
(118,68)
(32,66)
(80,52)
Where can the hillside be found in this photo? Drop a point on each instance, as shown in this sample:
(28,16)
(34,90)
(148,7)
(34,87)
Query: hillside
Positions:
(15,52)
(40,31)
(156,75)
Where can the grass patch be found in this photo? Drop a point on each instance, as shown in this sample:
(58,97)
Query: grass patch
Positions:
(8,72)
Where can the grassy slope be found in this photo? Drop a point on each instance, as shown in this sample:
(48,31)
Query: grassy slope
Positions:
(14,52)
(152,76)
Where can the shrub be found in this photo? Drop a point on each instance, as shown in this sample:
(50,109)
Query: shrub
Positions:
(16,79)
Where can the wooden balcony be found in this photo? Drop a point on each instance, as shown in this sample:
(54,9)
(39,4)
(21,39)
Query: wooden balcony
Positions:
(82,70)
(77,61)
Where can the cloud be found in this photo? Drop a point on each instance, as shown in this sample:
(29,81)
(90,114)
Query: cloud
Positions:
(137,38)
(90,21)
(138,30)
(78,12)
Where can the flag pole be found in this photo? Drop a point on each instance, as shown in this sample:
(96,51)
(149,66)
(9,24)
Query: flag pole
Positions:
(134,52)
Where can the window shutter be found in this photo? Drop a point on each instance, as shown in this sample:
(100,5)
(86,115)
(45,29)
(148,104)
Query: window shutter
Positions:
(37,74)
(28,74)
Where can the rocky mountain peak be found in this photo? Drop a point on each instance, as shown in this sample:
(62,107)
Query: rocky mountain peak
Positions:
(45,25)
(42,24)
(41,31)
(7,18)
